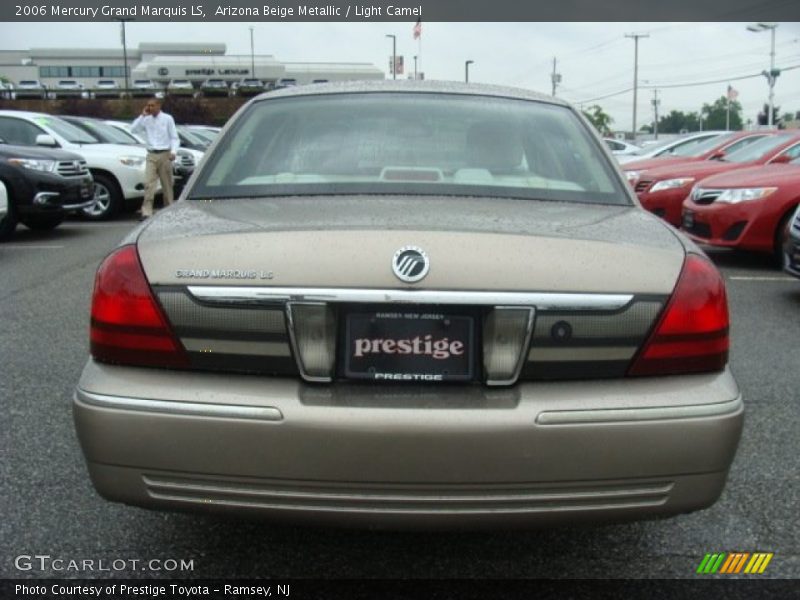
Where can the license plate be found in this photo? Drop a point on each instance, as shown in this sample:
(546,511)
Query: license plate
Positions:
(688,220)
(409,346)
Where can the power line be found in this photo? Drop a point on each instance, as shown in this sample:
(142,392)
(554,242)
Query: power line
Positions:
(679,85)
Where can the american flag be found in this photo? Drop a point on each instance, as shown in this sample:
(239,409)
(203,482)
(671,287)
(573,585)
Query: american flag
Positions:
(418,29)
(732,94)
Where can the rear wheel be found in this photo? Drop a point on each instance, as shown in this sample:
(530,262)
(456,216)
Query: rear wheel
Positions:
(43,222)
(107,199)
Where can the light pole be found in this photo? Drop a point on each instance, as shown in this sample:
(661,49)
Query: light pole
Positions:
(394,54)
(124,51)
(252,55)
(415,67)
(466,70)
(635,37)
(773,73)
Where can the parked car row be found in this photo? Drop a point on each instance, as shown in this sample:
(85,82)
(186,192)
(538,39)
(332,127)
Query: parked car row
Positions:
(736,190)
(53,165)
(140,88)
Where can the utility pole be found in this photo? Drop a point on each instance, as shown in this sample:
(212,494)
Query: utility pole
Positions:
(635,37)
(555,77)
(655,102)
(252,54)
(773,73)
(124,51)
(466,70)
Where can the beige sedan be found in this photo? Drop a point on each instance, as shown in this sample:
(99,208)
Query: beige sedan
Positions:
(409,304)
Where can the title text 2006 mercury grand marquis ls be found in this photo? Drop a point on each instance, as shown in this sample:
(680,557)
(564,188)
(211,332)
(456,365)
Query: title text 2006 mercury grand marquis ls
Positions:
(409,304)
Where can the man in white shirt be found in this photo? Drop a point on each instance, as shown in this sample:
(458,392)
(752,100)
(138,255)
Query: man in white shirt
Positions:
(161,137)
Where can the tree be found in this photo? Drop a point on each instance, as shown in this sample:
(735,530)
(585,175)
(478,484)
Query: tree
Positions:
(677,121)
(715,114)
(599,118)
(763,116)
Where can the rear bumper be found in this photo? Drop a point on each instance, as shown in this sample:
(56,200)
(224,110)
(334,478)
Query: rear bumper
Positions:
(535,454)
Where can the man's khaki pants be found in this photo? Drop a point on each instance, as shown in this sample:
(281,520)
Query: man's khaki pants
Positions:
(158,168)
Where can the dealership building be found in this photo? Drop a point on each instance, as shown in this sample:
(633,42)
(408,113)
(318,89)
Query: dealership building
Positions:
(163,62)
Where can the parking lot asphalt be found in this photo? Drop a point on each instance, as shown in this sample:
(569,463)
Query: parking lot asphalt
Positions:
(50,508)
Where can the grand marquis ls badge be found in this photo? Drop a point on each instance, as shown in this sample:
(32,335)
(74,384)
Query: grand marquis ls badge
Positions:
(410,264)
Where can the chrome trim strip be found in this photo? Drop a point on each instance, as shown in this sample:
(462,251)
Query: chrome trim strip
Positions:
(80,205)
(658,413)
(523,355)
(538,300)
(43,198)
(191,409)
(236,347)
(296,349)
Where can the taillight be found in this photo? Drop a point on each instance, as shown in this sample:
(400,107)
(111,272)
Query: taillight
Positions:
(128,326)
(692,334)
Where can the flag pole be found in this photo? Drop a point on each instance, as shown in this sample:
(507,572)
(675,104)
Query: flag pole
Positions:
(728,112)
(418,36)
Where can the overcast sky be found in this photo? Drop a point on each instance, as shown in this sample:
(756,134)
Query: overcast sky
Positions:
(594,59)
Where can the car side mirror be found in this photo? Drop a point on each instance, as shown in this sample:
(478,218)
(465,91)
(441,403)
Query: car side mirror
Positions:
(46,140)
(718,155)
(782,159)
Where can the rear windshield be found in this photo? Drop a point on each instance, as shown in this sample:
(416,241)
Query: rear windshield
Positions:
(410,143)
(759,149)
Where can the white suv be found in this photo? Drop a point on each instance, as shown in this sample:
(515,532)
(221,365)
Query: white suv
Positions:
(31,88)
(3,200)
(118,170)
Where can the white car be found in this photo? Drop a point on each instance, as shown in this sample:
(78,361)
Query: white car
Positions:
(7,91)
(118,170)
(146,87)
(107,88)
(183,153)
(621,147)
(69,88)
(31,88)
(668,147)
(3,200)
(186,159)
(180,87)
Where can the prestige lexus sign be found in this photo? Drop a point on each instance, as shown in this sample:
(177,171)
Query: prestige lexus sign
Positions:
(209,72)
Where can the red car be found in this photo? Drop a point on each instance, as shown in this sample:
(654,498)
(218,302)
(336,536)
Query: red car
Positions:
(662,190)
(710,149)
(747,209)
